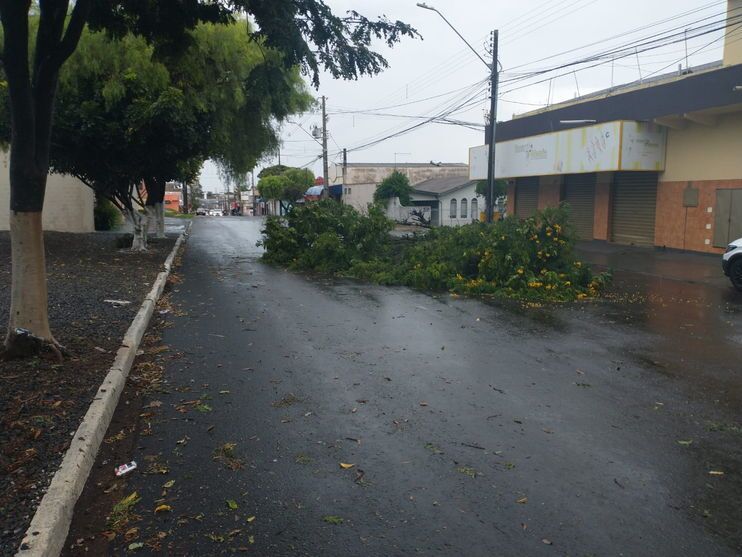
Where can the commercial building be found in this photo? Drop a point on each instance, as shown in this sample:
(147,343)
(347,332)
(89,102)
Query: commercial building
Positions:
(656,162)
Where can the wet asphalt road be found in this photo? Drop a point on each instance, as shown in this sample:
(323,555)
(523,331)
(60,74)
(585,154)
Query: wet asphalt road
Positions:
(474,429)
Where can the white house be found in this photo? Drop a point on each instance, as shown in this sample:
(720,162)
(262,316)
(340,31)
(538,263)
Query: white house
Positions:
(453,200)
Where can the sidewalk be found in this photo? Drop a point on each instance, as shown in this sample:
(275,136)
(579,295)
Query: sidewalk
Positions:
(665,264)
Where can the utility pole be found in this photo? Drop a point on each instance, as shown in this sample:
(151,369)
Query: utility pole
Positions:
(325,168)
(345,166)
(494,77)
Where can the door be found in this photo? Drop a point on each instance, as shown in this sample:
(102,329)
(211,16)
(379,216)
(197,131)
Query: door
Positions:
(728,219)
(526,196)
(579,192)
(633,207)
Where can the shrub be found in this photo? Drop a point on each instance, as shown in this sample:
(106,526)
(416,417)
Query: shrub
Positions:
(326,236)
(530,260)
(105,215)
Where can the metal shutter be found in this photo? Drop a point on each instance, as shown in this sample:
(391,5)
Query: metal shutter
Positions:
(728,220)
(579,192)
(634,204)
(526,197)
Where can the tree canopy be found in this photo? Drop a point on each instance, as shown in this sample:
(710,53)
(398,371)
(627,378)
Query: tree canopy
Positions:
(394,185)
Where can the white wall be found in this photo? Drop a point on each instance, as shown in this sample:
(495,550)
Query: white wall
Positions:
(68,205)
(469,193)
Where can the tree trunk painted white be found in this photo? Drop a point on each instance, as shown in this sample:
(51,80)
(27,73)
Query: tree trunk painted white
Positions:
(28,290)
(140,224)
(160,213)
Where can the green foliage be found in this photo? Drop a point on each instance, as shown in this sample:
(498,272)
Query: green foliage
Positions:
(531,260)
(273,187)
(275,170)
(284,183)
(105,215)
(394,185)
(326,236)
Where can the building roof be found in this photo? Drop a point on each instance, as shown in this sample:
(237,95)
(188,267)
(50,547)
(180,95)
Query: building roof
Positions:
(441,186)
(708,87)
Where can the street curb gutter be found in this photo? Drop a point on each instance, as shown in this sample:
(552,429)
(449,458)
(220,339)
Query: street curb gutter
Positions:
(48,530)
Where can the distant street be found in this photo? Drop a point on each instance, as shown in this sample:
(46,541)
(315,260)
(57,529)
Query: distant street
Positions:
(600,428)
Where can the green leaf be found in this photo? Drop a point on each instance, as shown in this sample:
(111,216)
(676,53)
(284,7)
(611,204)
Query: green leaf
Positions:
(332,519)
(232,504)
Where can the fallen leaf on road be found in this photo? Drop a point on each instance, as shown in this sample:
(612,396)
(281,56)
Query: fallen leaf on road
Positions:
(686,443)
(331,519)
(223,392)
(154,404)
(522,500)
(251,539)
(423,403)
(203,408)
(109,535)
(136,545)
(163,509)
(250,519)
(345,466)
(716,473)
(168,484)
(547,542)
(232,504)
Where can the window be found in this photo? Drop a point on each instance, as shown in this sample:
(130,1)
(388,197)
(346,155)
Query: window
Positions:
(474,209)
(349,190)
(464,208)
(452,213)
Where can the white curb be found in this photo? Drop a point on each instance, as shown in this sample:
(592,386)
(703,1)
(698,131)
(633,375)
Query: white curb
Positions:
(48,530)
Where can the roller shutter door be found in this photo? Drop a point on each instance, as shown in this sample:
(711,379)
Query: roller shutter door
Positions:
(526,197)
(579,192)
(634,204)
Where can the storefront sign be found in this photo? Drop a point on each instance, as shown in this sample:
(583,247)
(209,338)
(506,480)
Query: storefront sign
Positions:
(612,146)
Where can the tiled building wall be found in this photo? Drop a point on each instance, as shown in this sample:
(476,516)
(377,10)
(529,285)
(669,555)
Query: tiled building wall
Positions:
(688,228)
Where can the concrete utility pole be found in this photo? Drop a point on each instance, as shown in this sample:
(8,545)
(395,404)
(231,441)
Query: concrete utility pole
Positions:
(325,168)
(345,166)
(494,77)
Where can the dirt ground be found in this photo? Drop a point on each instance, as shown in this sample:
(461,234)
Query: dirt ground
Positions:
(42,401)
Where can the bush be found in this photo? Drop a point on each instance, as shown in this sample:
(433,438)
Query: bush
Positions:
(531,259)
(105,215)
(326,236)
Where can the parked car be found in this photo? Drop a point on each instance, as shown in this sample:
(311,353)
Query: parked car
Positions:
(201,212)
(215,213)
(732,263)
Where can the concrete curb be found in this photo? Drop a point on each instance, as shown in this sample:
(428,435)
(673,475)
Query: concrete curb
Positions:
(48,530)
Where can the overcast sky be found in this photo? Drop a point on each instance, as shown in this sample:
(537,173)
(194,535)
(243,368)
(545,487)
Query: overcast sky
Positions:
(441,66)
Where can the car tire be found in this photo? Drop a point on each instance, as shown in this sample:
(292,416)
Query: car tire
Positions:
(735,273)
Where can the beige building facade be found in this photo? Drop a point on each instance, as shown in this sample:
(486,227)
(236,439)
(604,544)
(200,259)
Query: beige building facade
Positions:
(68,204)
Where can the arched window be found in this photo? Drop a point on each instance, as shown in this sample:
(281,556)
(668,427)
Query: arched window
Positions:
(464,208)
(474,209)
(452,213)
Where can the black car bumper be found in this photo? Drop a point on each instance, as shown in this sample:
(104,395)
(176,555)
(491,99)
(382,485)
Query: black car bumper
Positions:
(725,266)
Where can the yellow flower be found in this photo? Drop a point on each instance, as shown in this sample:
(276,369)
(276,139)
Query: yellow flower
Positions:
(521,271)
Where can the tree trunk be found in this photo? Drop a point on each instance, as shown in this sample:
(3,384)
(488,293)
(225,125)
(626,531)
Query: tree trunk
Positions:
(160,216)
(140,224)
(28,325)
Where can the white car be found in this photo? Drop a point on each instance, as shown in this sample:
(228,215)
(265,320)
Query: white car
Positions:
(732,263)
(215,213)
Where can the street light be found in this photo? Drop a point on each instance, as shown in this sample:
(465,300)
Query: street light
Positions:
(493,106)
